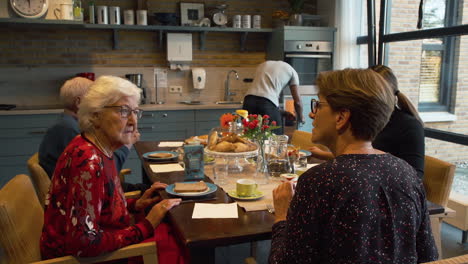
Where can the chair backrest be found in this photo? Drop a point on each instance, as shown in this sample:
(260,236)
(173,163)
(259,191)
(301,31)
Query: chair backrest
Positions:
(303,140)
(39,177)
(438,178)
(21,221)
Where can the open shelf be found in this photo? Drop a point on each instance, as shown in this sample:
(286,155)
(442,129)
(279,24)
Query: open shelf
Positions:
(161,29)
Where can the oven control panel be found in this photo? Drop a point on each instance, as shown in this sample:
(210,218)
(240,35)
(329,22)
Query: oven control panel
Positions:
(307,46)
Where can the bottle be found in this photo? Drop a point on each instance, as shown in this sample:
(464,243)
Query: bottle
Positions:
(91,13)
(77,11)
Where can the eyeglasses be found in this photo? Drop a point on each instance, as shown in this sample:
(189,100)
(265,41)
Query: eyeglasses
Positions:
(125,111)
(314,105)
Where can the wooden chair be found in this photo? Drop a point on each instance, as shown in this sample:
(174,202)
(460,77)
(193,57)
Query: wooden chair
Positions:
(303,140)
(438,178)
(21,221)
(456,260)
(40,178)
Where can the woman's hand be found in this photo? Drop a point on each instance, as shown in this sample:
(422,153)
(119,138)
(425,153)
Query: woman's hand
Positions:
(149,197)
(321,154)
(282,196)
(159,210)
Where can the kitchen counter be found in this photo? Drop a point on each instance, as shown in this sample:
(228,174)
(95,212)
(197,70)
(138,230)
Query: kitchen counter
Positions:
(145,107)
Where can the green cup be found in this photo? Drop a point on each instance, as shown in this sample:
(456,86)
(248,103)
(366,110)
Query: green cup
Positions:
(246,187)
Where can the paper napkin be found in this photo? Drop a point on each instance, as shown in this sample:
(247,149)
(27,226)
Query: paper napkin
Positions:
(173,144)
(204,210)
(159,168)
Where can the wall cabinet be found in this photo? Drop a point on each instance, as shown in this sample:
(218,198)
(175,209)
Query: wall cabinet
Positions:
(20,135)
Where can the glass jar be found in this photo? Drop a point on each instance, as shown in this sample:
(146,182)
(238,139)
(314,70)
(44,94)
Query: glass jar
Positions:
(278,160)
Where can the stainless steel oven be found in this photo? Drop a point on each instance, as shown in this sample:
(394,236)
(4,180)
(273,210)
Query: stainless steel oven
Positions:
(308,58)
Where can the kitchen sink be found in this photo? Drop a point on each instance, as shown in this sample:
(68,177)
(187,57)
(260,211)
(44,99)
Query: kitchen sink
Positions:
(229,102)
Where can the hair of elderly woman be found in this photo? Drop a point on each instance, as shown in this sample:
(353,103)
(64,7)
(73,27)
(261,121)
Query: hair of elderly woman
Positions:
(364,93)
(72,89)
(106,90)
(403,102)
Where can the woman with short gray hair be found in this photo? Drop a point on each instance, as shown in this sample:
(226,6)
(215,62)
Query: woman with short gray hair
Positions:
(365,205)
(86,212)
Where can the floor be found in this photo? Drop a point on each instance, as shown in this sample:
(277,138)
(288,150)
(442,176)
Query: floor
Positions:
(451,242)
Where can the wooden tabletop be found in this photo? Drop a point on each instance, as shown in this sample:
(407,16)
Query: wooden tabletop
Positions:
(201,236)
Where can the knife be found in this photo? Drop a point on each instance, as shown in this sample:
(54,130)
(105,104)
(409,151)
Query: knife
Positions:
(198,200)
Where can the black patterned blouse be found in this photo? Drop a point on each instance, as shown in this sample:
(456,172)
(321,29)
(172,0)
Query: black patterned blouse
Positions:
(357,208)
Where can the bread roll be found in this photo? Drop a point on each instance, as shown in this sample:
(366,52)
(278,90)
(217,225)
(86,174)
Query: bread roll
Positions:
(224,146)
(240,147)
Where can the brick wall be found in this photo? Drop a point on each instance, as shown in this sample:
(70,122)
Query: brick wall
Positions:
(59,46)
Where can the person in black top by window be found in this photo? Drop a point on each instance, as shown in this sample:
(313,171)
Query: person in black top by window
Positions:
(403,136)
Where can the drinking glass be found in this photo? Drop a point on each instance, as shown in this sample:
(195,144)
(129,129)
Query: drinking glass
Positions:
(220,171)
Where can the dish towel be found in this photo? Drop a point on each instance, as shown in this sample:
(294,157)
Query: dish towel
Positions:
(171,144)
(159,168)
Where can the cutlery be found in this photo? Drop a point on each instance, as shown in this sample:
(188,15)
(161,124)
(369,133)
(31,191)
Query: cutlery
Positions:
(198,200)
(270,208)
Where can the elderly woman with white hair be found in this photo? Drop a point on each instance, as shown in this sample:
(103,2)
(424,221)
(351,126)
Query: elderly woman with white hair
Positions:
(86,212)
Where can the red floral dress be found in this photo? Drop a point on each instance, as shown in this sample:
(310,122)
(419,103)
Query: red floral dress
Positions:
(86,211)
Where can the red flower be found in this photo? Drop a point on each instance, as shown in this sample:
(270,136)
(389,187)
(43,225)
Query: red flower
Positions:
(266,116)
(273,123)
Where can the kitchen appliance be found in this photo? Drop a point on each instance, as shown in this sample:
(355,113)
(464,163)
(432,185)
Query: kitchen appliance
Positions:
(309,50)
(199,78)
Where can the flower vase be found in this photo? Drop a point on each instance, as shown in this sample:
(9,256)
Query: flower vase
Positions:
(262,163)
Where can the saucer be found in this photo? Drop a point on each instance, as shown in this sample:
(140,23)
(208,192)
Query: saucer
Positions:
(233,194)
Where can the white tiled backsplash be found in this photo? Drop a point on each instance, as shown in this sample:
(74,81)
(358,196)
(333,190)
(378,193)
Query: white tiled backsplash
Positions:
(29,87)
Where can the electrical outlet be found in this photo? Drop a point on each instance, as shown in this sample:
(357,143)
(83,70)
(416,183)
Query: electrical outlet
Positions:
(175,89)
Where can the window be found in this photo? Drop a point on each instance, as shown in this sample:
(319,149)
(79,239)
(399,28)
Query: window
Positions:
(435,84)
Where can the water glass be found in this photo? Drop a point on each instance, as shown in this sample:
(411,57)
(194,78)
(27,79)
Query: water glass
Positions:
(220,171)
(276,167)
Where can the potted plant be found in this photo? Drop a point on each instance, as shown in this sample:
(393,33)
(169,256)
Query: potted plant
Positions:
(296,8)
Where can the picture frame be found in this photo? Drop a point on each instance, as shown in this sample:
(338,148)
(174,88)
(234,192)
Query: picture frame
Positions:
(191,13)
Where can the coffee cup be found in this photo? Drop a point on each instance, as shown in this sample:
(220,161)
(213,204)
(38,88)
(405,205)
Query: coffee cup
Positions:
(246,187)
(65,12)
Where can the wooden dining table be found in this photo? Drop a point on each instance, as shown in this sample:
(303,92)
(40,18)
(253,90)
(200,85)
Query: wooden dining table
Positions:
(202,236)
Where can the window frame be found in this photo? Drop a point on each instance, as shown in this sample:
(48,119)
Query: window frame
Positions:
(452,32)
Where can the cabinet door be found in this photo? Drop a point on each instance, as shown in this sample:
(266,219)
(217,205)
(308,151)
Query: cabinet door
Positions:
(208,119)
(167,125)
(20,136)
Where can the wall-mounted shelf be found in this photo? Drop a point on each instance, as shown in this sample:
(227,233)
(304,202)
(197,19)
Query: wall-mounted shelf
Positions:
(161,29)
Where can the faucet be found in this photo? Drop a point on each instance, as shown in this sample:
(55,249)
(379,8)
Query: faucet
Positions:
(227,92)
